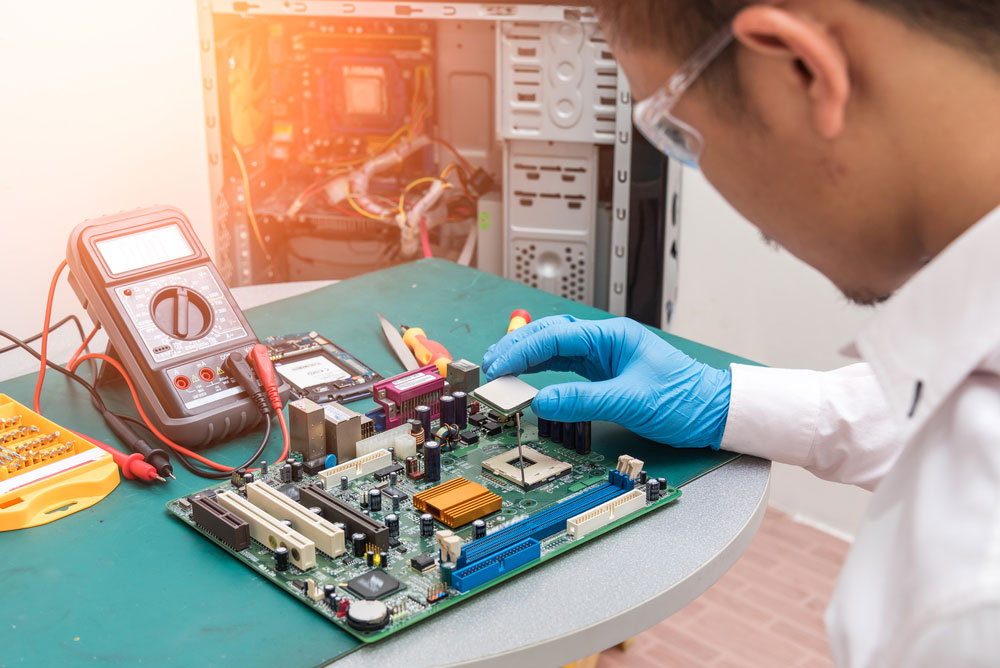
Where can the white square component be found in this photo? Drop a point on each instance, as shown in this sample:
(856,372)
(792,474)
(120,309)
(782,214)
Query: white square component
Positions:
(506,395)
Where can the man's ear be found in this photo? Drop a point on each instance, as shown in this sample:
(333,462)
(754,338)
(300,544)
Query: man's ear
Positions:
(809,48)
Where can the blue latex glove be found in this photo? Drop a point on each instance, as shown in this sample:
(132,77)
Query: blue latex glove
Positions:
(639,380)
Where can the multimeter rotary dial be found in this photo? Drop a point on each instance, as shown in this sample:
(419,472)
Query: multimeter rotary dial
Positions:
(181,313)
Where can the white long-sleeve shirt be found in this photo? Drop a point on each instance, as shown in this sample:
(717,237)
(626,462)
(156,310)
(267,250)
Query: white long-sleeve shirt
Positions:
(919,424)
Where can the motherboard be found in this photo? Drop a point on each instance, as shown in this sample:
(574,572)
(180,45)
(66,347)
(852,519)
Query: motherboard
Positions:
(412,526)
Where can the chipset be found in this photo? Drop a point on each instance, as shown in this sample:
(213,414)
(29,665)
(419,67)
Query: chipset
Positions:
(457,502)
(373,585)
(538,468)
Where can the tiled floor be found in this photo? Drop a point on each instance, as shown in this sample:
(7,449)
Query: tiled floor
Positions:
(766,611)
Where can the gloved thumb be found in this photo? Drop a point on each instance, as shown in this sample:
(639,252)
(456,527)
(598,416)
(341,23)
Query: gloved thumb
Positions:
(580,402)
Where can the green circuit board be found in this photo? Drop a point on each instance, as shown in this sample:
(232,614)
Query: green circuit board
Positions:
(411,602)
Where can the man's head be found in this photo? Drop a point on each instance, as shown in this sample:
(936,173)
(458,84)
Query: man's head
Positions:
(841,128)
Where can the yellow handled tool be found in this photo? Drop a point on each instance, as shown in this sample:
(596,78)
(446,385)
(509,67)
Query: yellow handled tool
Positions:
(426,350)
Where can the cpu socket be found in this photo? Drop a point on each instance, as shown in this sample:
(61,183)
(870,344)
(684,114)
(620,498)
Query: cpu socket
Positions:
(538,468)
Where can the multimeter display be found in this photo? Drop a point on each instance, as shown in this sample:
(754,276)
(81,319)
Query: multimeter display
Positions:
(144,249)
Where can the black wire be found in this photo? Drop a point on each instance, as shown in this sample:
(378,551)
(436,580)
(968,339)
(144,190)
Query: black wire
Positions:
(52,328)
(102,408)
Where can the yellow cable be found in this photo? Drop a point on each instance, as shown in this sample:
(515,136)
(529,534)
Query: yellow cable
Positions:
(411,186)
(366,214)
(249,204)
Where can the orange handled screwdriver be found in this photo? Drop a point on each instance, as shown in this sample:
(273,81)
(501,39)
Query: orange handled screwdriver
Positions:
(518,319)
(427,351)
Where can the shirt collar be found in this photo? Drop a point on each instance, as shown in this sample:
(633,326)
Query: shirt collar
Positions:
(939,327)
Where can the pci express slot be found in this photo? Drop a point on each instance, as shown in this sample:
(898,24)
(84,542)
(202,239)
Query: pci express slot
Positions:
(229,528)
(356,468)
(483,571)
(328,538)
(335,510)
(269,532)
(606,513)
(544,524)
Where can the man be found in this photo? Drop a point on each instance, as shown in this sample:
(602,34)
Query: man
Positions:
(863,136)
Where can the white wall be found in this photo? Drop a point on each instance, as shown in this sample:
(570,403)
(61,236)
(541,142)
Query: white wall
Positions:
(739,294)
(101,112)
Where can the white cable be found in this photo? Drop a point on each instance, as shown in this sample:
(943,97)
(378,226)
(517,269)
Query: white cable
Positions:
(465,257)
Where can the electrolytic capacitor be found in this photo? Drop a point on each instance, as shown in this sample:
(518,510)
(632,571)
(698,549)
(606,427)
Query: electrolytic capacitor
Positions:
(329,593)
(395,502)
(263,467)
(432,461)
(374,500)
(385,560)
(642,477)
(343,482)
(423,413)
(392,522)
(358,544)
(285,473)
(544,428)
(461,409)
(652,490)
(447,403)
(663,485)
(582,438)
(281,558)
(247,478)
(447,568)
(556,432)
(479,529)
(296,471)
(370,557)
(392,479)
(426,525)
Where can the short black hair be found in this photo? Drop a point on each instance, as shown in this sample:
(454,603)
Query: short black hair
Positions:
(683,25)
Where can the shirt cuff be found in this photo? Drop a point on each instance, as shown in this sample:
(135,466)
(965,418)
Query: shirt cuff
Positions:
(773,413)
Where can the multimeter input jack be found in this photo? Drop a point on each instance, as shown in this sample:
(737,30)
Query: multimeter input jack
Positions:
(182,382)
(206,375)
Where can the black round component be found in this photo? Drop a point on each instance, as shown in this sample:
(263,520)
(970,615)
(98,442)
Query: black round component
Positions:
(479,529)
(652,489)
(544,427)
(296,471)
(556,432)
(358,544)
(368,615)
(423,414)
(286,473)
(370,557)
(343,482)
(432,461)
(247,479)
(461,409)
(663,485)
(374,500)
(392,522)
(426,525)
(181,313)
(281,558)
(447,403)
(643,477)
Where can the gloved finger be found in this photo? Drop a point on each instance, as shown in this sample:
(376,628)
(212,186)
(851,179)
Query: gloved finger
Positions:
(577,339)
(581,402)
(503,345)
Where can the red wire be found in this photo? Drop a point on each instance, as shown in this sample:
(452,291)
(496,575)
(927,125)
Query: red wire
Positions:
(465,163)
(83,346)
(45,336)
(156,432)
(425,241)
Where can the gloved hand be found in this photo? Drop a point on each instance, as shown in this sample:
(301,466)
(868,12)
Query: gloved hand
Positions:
(639,380)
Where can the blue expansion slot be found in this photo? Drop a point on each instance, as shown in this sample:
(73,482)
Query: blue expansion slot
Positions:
(485,570)
(545,523)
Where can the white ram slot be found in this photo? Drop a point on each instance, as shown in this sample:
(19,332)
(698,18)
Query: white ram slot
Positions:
(356,468)
(605,514)
(328,538)
(270,532)
(404,445)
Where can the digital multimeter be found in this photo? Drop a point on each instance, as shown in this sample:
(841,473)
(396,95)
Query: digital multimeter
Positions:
(147,280)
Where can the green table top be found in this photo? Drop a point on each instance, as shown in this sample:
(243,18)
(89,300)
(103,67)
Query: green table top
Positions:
(122,582)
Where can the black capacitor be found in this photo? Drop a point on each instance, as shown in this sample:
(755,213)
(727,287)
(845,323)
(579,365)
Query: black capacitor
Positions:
(556,432)
(663,485)
(652,490)
(426,525)
(263,467)
(461,410)
(432,461)
(392,452)
(358,544)
(330,594)
(281,558)
(247,478)
(385,560)
(364,501)
(479,529)
(423,414)
(395,502)
(544,428)
(370,557)
(447,403)
(343,482)
(392,479)
(582,438)
(286,473)
(569,435)
(296,471)
(642,477)
(392,523)
(374,500)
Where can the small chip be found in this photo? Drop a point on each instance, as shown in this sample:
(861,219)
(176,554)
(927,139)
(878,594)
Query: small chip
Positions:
(492,428)
(393,542)
(477,419)
(383,473)
(469,437)
(423,562)
(506,395)
(373,585)
(395,493)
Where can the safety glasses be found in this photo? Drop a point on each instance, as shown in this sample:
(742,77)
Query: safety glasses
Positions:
(654,115)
